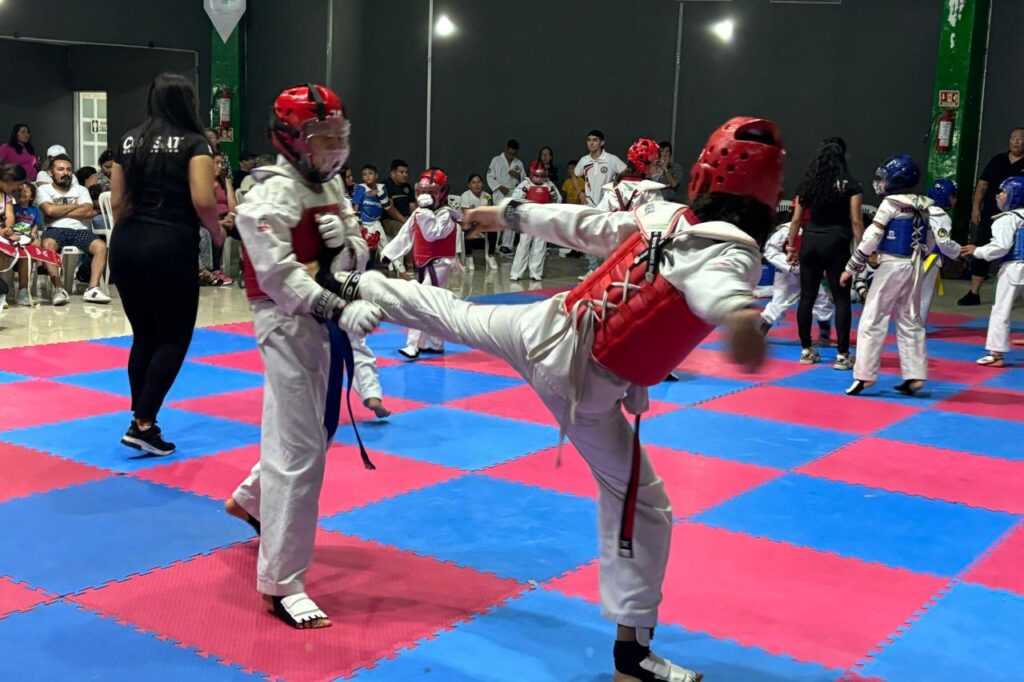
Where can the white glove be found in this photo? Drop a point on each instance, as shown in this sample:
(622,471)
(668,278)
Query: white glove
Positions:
(353,257)
(424,201)
(332,230)
(359,318)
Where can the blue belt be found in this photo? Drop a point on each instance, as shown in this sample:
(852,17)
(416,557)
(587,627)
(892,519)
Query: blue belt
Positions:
(342,360)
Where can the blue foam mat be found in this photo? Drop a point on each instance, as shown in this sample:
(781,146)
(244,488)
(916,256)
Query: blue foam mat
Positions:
(483,523)
(8,377)
(60,641)
(547,637)
(97,440)
(947,350)
(193,381)
(205,342)
(694,388)
(431,383)
(1008,379)
(455,438)
(898,530)
(824,379)
(386,345)
(973,633)
(86,535)
(967,433)
(744,439)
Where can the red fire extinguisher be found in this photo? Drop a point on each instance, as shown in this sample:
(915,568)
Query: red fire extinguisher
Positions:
(224,108)
(944,140)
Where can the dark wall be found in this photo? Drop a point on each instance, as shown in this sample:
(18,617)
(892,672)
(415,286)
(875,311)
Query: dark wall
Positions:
(283,47)
(38,96)
(180,24)
(818,71)
(1003,103)
(124,73)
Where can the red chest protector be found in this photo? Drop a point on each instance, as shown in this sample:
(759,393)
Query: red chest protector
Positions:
(424,251)
(643,327)
(538,194)
(307,245)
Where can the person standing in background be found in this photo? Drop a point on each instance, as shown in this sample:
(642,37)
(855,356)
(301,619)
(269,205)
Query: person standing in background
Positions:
(667,172)
(475,197)
(161,193)
(597,169)
(505,172)
(1000,167)
(546,156)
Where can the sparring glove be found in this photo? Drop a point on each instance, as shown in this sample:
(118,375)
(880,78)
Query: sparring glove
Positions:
(332,230)
(359,318)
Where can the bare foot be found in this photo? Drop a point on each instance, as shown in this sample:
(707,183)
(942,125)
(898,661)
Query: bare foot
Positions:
(377,406)
(305,622)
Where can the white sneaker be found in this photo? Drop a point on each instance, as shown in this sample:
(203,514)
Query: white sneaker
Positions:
(95,295)
(469,264)
(492,263)
(513,279)
(24,298)
(60,297)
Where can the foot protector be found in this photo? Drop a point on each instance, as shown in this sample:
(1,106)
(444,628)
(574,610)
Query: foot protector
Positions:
(991,361)
(298,610)
(411,354)
(857,387)
(635,662)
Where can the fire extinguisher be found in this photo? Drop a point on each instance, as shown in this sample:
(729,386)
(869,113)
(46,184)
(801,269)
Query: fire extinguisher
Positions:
(223,108)
(944,140)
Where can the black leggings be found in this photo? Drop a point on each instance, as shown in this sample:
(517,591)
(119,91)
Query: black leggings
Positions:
(824,254)
(492,243)
(158,279)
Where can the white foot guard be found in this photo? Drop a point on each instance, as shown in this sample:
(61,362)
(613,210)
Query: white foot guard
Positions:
(299,611)
(654,668)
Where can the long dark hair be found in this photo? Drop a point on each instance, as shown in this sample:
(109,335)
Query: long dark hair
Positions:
(826,177)
(173,106)
(552,167)
(19,147)
(749,215)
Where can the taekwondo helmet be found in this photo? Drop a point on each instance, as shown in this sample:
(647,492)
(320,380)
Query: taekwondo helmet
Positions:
(896,174)
(1013,188)
(942,192)
(743,157)
(433,183)
(309,128)
(643,154)
(538,172)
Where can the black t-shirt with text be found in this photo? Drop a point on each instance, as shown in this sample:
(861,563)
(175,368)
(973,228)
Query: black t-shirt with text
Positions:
(401,196)
(996,171)
(165,196)
(833,215)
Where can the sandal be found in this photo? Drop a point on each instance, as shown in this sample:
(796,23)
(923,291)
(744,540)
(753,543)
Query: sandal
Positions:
(207,279)
(299,611)
(991,360)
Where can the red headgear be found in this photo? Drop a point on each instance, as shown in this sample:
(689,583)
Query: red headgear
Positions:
(743,157)
(643,154)
(538,171)
(435,183)
(302,113)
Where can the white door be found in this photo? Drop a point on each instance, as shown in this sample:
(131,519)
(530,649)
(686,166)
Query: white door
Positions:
(90,128)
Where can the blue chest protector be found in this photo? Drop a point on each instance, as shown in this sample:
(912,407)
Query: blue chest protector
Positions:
(1017,250)
(905,233)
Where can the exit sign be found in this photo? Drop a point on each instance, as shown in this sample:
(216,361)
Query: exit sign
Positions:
(949,99)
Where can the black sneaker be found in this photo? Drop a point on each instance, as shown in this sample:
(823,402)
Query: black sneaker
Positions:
(149,441)
(970,298)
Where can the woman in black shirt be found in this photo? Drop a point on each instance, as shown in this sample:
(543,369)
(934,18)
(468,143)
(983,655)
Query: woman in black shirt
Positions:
(833,199)
(161,190)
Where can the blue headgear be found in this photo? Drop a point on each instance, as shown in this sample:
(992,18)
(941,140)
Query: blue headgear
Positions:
(896,174)
(1014,188)
(942,192)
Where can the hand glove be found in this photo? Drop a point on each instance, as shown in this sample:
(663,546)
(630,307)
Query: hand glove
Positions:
(359,318)
(332,230)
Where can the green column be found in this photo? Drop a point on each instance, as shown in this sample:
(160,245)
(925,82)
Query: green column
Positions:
(960,69)
(226,72)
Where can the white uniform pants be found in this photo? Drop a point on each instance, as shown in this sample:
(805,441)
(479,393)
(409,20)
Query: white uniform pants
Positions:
(1009,285)
(630,588)
(895,294)
(366,379)
(283,489)
(531,250)
(786,294)
(416,338)
(929,287)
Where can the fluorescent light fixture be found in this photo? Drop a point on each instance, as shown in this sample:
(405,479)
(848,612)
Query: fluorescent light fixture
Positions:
(444,26)
(724,29)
